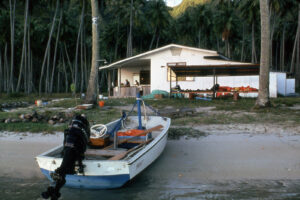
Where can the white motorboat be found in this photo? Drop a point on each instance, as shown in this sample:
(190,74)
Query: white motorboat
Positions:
(114,164)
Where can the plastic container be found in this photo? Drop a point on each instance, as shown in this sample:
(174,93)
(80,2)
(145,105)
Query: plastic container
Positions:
(101,103)
(39,102)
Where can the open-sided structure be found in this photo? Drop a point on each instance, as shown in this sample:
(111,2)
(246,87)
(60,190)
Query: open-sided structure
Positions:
(190,68)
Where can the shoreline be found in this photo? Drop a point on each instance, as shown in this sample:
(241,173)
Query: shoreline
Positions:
(252,147)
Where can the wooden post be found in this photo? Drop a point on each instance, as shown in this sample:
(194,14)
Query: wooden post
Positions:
(109,82)
(170,82)
(119,81)
(214,82)
(115,140)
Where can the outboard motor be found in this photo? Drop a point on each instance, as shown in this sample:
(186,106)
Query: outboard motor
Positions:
(76,139)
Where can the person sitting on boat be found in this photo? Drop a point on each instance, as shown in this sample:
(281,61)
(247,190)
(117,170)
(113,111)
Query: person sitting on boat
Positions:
(75,143)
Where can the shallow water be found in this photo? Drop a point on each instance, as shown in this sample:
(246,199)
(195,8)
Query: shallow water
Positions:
(146,187)
(212,167)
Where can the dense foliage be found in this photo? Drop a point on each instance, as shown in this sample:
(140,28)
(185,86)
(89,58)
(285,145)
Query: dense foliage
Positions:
(45,46)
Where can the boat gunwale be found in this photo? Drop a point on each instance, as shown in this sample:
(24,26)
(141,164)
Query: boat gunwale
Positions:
(129,161)
(152,144)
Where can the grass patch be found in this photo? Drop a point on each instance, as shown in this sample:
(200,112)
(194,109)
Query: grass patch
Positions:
(120,102)
(30,98)
(5,115)
(67,103)
(287,101)
(226,111)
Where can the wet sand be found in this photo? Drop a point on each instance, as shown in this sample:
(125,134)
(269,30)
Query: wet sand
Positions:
(212,157)
(18,151)
(216,166)
(234,157)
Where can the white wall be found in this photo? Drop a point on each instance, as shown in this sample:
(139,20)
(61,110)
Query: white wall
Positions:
(284,85)
(290,85)
(281,82)
(159,69)
(273,85)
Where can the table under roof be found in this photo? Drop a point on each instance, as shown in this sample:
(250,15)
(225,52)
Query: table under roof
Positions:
(232,69)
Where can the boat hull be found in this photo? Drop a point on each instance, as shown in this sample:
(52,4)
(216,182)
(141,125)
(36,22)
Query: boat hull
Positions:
(92,182)
(107,174)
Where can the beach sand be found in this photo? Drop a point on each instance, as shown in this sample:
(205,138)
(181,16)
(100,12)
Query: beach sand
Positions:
(18,151)
(226,152)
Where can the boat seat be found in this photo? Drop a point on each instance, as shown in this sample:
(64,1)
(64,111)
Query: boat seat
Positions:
(104,152)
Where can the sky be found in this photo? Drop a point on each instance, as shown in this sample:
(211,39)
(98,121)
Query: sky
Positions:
(173,3)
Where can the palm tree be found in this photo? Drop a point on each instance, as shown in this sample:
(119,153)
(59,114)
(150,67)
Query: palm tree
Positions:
(186,29)
(296,48)
(202,21)
(135,16)
(250,12)
(225,21)
(129,40)
(12,28)
(113,33)
(24,46)
(91,90)
(159,18)
(263,94)
(47,51)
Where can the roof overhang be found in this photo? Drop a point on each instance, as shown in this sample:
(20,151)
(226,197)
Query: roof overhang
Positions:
(218,70)
(126,61)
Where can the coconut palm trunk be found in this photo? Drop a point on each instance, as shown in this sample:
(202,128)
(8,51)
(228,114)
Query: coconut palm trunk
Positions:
(263,94)
(77,47)
(254,57)
(69,63)
(292,69)
(91,91)
(5,60)
(12,43)
(23,49)
(65,71)
(2,75)
(47,50)
(55,53)
(129,40)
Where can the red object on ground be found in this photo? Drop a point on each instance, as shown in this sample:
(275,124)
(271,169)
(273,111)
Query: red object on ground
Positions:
(101,103)
(224,88)
(237,89)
